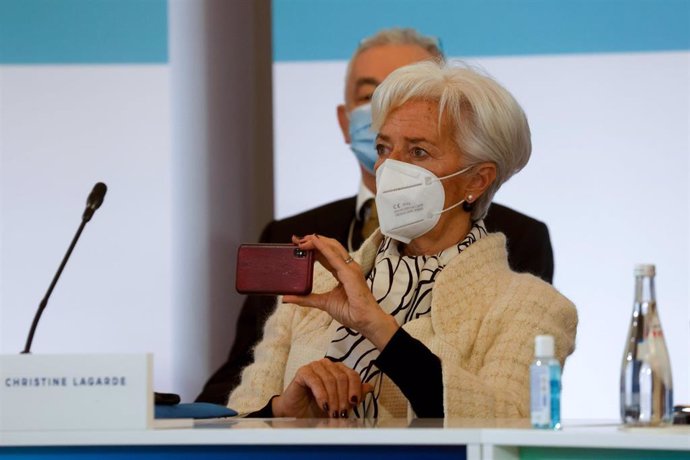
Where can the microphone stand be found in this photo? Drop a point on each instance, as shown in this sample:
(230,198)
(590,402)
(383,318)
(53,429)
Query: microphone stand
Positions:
(44,302)
(93,202)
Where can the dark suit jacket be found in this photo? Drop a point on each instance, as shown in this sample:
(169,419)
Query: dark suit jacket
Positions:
(529,250)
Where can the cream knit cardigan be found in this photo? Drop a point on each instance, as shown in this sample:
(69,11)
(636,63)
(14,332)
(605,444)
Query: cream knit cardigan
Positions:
(483,321)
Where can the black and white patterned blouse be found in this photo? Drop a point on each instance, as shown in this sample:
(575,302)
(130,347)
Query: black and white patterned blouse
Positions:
(402,285)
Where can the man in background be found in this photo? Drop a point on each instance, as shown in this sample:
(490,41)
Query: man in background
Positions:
(353,219)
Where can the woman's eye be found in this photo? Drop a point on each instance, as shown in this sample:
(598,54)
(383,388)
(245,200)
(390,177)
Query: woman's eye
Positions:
(381,149)
(418,152)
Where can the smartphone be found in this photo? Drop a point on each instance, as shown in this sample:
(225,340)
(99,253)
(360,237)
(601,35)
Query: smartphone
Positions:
(274,269)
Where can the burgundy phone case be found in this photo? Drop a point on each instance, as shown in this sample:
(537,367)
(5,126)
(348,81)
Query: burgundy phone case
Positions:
(273,269)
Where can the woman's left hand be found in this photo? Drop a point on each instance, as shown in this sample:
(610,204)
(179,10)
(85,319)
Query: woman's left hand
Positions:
(351,303)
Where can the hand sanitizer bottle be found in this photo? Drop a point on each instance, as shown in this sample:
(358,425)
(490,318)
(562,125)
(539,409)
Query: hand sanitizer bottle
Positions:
(545,382)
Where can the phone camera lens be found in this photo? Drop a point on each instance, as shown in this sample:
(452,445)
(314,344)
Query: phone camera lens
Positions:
(300,253)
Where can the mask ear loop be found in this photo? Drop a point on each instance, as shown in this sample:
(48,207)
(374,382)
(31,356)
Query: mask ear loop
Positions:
(462,171)
(466,203)
(461,202)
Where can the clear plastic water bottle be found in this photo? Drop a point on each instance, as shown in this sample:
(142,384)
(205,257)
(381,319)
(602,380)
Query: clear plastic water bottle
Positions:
(545,385)
(646,381)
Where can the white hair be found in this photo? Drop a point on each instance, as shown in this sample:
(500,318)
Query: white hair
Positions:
(400,36)
(488,124)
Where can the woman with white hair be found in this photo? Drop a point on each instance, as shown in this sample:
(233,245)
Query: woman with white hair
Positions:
(426,318)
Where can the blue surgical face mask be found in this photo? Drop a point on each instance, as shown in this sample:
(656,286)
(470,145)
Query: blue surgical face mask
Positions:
(362,138)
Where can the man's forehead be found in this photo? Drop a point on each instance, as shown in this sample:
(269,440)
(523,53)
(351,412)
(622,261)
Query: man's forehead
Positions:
(377,62)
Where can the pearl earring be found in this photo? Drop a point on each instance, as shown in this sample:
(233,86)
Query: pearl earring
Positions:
(467,206)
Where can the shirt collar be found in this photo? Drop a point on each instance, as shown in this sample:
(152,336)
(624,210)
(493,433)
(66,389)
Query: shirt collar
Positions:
(390,247)
(363,196)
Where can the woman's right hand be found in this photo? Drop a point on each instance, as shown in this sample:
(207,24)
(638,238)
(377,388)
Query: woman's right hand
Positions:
(321,389)
(351,302)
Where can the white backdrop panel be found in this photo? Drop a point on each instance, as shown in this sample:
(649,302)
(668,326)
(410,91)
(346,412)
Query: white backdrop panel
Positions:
(609,175)
(63,128)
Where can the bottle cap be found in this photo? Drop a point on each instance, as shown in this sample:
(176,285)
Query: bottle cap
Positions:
(543,346)
(645,270)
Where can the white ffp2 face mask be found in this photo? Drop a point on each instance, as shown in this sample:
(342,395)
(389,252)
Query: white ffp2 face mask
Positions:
(409,199)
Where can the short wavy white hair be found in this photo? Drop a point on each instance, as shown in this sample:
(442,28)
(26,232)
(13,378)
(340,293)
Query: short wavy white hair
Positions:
(487,122)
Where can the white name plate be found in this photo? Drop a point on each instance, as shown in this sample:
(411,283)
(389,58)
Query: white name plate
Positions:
(76,392)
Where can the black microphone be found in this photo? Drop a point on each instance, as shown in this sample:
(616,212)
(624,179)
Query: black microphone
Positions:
(93,202)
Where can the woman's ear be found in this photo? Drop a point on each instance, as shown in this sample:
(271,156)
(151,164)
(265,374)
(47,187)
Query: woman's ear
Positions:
(344,122)
(482,178)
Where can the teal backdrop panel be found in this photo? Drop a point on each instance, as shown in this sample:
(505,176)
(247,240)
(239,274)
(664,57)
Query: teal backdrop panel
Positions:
(307,30)
(555,453)
(83,31)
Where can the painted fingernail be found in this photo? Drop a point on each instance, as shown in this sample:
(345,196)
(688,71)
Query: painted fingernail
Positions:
(335,414)
(343,414)
(325,407)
